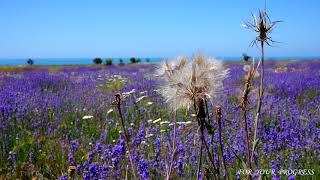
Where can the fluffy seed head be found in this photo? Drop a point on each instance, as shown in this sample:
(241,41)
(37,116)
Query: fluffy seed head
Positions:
(185,82)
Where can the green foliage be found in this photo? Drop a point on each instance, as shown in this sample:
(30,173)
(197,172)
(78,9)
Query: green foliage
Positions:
(121,62)
(108,62)
(30,62)
(134,60)
(112,86)
(97,61)
(246,57)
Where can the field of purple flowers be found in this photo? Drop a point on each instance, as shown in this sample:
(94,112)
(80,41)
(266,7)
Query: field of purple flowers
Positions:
(62,123)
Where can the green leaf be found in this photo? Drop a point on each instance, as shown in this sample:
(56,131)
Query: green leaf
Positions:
(238,157)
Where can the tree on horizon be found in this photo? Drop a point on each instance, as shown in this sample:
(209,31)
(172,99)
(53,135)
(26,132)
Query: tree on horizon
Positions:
(30,62)
(121,62)
(97,61)
(108,62)
(134,60)
(246,57)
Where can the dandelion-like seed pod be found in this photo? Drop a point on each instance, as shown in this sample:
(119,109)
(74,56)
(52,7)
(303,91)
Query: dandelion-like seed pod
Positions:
(188,82)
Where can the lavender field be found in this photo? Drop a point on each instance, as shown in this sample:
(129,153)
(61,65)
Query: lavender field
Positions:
(62,122)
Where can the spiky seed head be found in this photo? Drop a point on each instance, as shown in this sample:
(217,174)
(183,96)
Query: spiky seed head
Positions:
(263,26)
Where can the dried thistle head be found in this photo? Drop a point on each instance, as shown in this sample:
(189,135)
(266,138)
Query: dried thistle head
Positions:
(263,26)
(117,100)
(252,71)
(186,82)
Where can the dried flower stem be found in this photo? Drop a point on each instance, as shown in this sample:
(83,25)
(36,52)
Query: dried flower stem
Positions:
(260,97)
(200,160)
(199,106)
(243,105)
(117,102)
(218,116)
(263,26)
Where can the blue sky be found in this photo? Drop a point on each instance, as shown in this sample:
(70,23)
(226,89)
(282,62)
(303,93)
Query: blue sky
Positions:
(144,28)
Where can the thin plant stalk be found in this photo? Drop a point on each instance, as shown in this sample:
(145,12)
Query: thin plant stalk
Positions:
(117,102)
(215,169)
(218,116)
(260,98)
(218,162)
(243,105)
(247,141)
(173,147)
(199,106)
(263,26)
(200,160)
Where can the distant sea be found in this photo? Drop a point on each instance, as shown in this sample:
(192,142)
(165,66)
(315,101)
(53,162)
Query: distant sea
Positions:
(83,61)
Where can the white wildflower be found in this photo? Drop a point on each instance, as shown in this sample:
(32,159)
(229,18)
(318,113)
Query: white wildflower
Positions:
(149,135)
(150,121)
(185,81)
(110,111)
(157,120)
(164,122)
(149,103)
(129,92)
(87,117)
(184,123)
(162,130)
(143,92)
(140,98)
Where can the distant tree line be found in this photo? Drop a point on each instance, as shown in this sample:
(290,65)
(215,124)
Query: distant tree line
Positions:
(109,61)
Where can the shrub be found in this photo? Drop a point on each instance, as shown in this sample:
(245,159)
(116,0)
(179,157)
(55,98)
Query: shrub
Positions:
(121,62)
(134,60)
(108,62)
(97,60)
(246,57)
(30,62)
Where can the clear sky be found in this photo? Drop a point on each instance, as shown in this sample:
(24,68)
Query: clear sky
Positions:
(146,28)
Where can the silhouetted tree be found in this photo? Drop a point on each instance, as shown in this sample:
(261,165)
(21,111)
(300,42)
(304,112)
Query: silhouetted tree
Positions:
(108,62)
(97,60)
(246,57)
(121,62)
(30,62)
(134,60)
